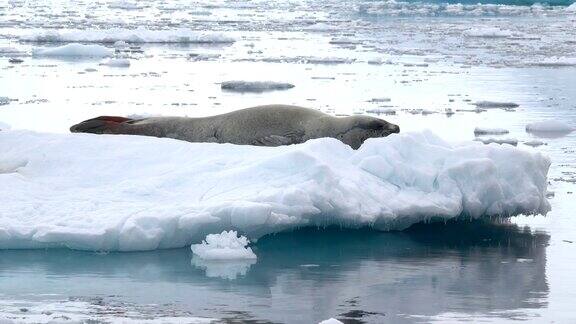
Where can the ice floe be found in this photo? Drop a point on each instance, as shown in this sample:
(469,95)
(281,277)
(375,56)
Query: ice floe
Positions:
(126,193)
(74,50)
(255,86)
(549,126)
(224,246)
(138,35)
(490,131)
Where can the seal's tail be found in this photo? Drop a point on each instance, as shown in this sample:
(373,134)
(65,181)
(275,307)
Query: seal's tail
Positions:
(100,125)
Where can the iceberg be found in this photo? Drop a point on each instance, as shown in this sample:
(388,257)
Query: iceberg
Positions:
(134,193)
(255,86)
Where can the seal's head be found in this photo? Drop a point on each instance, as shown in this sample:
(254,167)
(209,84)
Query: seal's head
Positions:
(354,130)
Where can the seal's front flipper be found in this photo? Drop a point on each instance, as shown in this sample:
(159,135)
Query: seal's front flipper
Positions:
(101,125)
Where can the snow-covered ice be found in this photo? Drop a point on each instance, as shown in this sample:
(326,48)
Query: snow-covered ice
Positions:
(224,246)
(255,86)
(490,131)
(75,50)
(126,193)
(115,35)
(4,126)
(549,126)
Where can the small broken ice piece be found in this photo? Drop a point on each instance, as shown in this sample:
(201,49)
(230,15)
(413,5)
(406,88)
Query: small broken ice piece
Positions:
(15,60)
(126,5)
(380,100)
(120,44)
(495,104)
(549,126)
(449,111)
(534,143)
(74,50)
(556,62)
(331,321)
(4,101)
(90,70)
(117,62)
(381,110)
(490,131)
(224,246)
(511,141)
(254,86)
(343,41)
(488,32)
(522,260)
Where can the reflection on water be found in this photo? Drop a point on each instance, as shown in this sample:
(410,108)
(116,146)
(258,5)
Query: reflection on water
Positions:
(310,275)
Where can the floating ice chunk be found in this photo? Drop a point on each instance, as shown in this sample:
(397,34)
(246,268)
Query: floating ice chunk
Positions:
(556,62)
(495,104)
(331,321)
(255,86)
(121,44)
(320,27)
(126,5)
(4,101)
(549,126)
(534,143)
(511,141)
(224,246)
(571,8)
(138,35)
(380,100)
(381,110)
(490,131)
(117,62)
(178,192)
(488,32)
(75,50)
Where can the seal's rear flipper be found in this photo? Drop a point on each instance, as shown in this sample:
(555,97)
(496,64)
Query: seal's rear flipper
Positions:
(100,125)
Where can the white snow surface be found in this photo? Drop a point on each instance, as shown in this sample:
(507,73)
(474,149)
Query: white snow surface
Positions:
(549,126)
(75,50)
(127,193)
(224,246)
(114,35)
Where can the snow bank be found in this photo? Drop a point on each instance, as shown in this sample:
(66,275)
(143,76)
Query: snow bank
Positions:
(490,131)
(126,193)
(549,126)
(114,35)
(75,50)
(255,86)
(224,246)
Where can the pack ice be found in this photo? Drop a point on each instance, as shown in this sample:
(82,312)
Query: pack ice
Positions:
(126,193)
